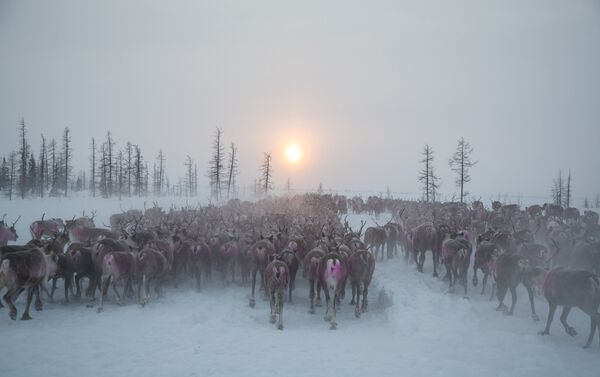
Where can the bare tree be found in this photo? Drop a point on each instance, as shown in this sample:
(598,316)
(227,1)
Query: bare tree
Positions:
(67,152)
(110,145)
(288,186)
(189,176)
(160,172)
(216,165)
(558,189)
(23,154)
(138,171)
(267,174)
(4,172)
(427,177)
(232,169)
(93,168)
(43,168)
(12,163)
(567,198)
(461,163)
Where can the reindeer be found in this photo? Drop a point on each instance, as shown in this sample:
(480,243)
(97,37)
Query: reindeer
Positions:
(46,228)
(456,256)
(228,255)
(333,272)
(422,238)
(277,279)
(81,233)
(572,288)
(361,265)
(22,270)
(485,259)
(152,265)
(8,233)
(311,271)
(375,238)
(259,258)
(512,270)
(291,260)
(200,258)
(117,266)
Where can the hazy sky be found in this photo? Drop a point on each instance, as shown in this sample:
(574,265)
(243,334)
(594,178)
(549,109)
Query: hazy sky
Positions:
(361,86)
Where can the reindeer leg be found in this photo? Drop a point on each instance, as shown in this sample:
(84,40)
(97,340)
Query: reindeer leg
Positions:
(280,309)
(534,316)
(353,285)
(435,258)
(357,288)
(53,289)
(318,304)
(142,285)
(335,300)
(475,280)
(593,324)
(10,297)
(272,304)
(30,292)
(39,305)
(513,295)
(311,295)
(103,292)
(484,283)
(551,310)
(563,319)
(501,293)
(327,303)
(365,300)
(252,300)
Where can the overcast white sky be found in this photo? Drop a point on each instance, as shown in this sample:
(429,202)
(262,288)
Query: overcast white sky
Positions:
(361,86)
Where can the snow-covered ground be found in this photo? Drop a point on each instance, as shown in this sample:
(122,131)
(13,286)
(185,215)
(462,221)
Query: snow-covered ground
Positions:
(424,332)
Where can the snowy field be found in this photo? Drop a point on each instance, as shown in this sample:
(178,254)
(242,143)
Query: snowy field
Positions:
(423,331)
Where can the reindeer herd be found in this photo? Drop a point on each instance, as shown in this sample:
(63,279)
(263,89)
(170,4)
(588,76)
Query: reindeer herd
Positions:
(549,250)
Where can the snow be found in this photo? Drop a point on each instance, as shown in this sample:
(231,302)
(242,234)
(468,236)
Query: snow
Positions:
(423,331)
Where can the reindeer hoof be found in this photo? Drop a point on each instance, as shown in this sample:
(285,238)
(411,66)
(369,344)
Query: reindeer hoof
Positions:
(120,302)
(13,315)
(535,318)
(327,318)
(333,325)
(571,331)
(357,313)
(311,311)
(25,317)
(280,327)
(272,319)
(39,306)
(507,313)
(501,308)
(543,332)
(352,303)
(252,303)
(99,310)
(318,304)
(435,274)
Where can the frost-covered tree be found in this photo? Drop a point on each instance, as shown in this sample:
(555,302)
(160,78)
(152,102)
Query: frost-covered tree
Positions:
(216,165)
(232,169)
(266,177)
(429,181)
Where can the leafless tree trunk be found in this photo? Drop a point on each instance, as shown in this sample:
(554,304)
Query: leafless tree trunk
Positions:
(461,163)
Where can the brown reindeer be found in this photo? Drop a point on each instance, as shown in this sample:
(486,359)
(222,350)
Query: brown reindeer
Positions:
(259,258)
(277,279)
(573,288)
(311,272)
(422,238)
(361,265)
(151,265)
(28,270)
(8,233)
(117,266)
(333,272)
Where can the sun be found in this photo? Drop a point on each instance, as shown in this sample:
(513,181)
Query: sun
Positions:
(293,153)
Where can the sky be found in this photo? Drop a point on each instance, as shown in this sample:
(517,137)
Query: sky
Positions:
(360,86)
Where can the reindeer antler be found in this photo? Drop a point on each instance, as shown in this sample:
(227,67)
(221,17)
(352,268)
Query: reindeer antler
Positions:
(16,221)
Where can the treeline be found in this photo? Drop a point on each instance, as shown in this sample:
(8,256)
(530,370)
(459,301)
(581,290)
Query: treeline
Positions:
(114,171)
